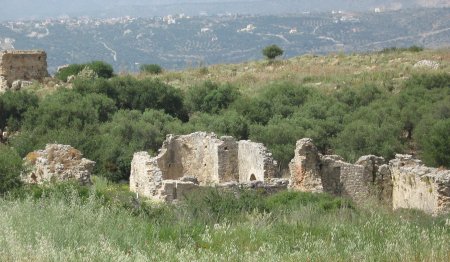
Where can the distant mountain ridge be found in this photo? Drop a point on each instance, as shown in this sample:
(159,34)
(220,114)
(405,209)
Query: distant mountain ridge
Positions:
(177,42)
(31,9)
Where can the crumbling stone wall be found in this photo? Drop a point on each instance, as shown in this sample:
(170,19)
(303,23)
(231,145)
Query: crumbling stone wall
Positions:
(305,167)
(23,66)
(57,163)
(418,186)
(198,159)
(313,172)
(255,162)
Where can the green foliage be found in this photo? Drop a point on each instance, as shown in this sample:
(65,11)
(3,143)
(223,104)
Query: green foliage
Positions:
(13,106)
(272,51)
(228,123)
(412,48)
(288,200)
(129,132)
(154,69)
(211,205)
(68,109)
(430,81)
(130,93)
(210,97)
(101,68)
(70,70)
(11,165)
(436,144)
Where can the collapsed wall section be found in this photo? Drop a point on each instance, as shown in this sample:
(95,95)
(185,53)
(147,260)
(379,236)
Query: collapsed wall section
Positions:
(313,172)
(57,163)
(420,187)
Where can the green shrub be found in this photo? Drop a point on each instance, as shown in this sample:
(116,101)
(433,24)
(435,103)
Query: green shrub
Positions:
(435,144)
(102,69)
(13,106)
(151,69)
(210,97)
(272,51)
(130,93)
(11,166)
(70,70)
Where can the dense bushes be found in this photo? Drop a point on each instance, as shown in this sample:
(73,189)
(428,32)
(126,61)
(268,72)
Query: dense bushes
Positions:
(100,68)
(109,120)
(10,168)
(151,69)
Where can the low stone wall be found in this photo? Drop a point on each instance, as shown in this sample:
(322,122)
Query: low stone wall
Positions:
(420,187)
(57,163)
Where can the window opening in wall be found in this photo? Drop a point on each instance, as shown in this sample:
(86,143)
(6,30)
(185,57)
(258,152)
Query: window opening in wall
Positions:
(252,177)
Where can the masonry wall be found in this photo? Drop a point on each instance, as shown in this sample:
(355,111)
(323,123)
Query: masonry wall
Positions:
(22,65)
(420,187)
(193,155)
(313,172)
(255,162)
(198,159)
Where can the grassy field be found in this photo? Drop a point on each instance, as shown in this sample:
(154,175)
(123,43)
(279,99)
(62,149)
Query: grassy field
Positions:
(104,223)
(327,72)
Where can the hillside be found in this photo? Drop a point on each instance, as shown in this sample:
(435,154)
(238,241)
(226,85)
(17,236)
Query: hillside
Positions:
(180,41)
(382,103)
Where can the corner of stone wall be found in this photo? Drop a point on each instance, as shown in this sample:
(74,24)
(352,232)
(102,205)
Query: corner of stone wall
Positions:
(305,167)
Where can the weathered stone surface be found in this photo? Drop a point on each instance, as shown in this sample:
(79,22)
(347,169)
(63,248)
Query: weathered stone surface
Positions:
(418,186)
(200,159)
(255,162)
(58,163)
(313,172)
(305,167)
(21,65)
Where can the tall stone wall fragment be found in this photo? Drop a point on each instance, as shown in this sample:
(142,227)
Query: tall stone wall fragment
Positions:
(420,187)
(305,167)
(255,162)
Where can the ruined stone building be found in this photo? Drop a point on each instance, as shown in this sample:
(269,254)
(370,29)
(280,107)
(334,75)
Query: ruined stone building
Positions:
(404,182)
(17,66)
(313,172)
(202,159)
(199,159)
(420,187)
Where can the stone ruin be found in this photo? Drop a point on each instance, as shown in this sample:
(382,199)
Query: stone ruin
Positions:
(57,163)
(19,68)
(402,183)
(314,172)
(420,187)
(201,159)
